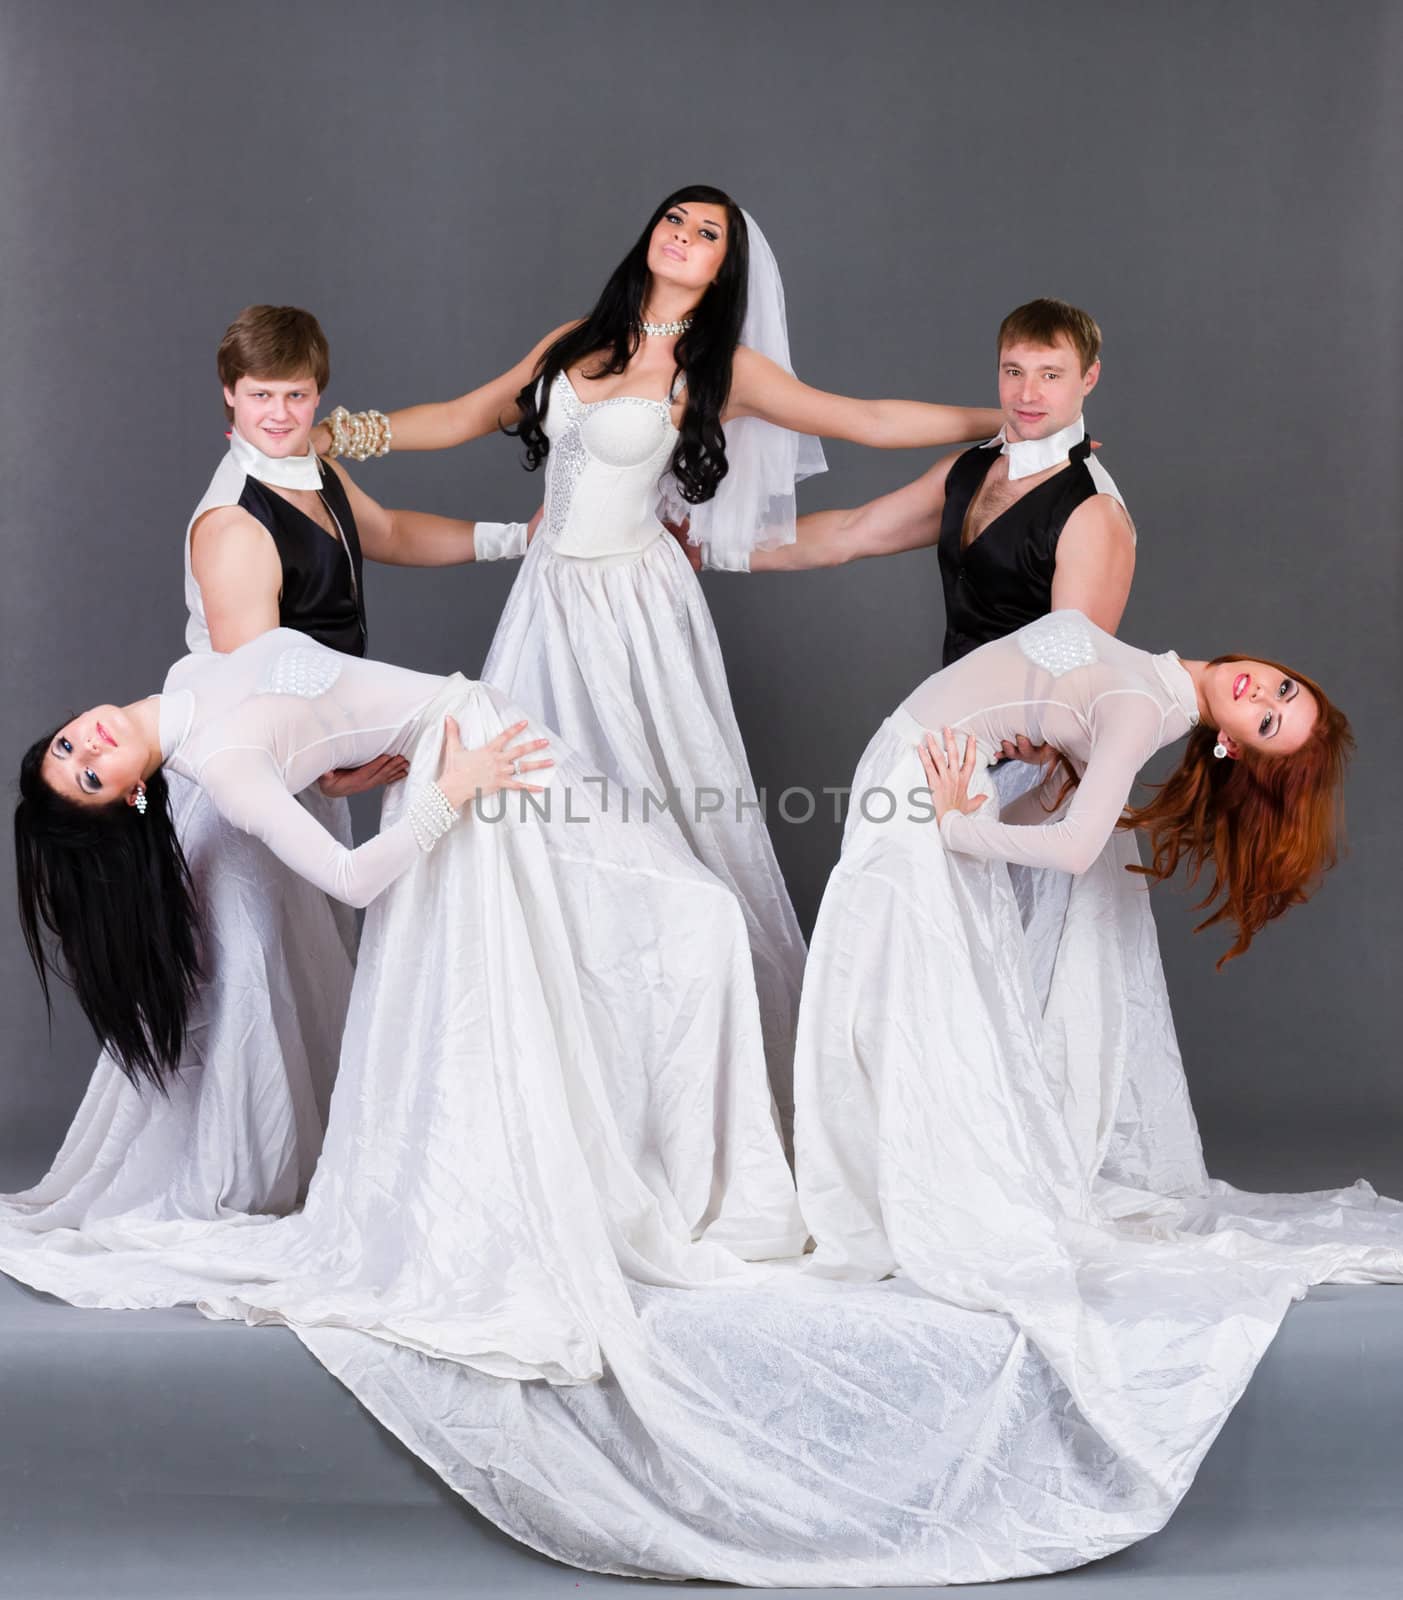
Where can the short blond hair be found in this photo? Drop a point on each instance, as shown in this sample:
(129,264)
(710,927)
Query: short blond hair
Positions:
(273,342)
(1044,322)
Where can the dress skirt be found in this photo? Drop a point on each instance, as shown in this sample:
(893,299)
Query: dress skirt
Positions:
(620,656)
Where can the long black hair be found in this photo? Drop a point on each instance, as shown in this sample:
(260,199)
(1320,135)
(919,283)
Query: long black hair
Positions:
(704,352)
(111,890)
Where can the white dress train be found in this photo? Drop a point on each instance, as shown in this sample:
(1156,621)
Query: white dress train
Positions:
(607,638)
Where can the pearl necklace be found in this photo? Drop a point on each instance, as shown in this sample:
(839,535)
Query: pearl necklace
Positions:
(665,330)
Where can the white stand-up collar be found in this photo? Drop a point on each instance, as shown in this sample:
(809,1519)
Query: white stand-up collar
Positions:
(283,472)
(1027,456)
(1176,678)
(174,715)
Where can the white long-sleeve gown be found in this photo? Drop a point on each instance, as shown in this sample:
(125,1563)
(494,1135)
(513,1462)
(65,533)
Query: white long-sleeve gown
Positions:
(607,638)
(944,1098)
(552,1060)
(240,1126)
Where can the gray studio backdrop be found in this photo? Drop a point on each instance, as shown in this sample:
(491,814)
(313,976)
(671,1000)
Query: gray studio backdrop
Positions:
(442,182)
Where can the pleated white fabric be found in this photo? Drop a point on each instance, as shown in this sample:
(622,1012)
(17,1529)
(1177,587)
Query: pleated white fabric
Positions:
(618,653)
(241,1127)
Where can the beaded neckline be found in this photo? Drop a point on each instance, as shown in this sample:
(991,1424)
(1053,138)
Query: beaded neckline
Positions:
(665,406)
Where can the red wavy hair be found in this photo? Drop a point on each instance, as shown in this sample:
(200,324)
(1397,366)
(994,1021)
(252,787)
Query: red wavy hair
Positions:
(1268,826)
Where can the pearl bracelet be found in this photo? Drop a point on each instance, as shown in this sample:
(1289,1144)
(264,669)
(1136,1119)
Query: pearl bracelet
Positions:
(430,816)
(359,434)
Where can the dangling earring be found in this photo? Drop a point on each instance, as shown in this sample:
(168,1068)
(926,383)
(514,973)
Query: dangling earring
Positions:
(1220,749)
(140,802)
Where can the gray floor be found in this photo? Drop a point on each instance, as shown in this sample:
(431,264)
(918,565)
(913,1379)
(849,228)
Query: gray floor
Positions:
(154,1454)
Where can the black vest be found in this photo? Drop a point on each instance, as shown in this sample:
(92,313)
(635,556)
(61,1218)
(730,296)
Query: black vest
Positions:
(1004,579)
(322,594)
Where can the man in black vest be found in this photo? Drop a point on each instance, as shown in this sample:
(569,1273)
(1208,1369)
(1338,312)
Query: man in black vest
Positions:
(1024,524)
(277,540)
(1028,523)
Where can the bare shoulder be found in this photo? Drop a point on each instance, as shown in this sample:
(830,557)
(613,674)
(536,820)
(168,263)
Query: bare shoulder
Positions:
(228,533)
(933,478)
(747,365)
(227,524)
(1100,520)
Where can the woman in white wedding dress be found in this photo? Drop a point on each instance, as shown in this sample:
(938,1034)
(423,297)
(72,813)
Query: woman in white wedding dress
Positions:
(238,1126)
(552,1067)
(675,390)
(1029,1115)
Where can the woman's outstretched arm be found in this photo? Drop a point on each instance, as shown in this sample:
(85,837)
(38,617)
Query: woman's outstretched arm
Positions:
(906,519)
(443,423)
(761,388)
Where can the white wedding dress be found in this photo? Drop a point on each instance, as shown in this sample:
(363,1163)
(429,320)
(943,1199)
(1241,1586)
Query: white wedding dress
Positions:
(606,637)
(240,1126)
(552,1063)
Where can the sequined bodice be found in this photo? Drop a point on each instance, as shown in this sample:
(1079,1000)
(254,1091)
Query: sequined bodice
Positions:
(602,473)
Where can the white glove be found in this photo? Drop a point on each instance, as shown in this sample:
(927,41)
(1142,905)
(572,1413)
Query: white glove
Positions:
(498,541)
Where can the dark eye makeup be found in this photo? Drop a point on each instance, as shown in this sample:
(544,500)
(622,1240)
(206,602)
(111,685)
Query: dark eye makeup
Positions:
(88,780)
(1287,689)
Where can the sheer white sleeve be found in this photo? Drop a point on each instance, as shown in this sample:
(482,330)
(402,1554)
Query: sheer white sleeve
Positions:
(1126,735)
(246,788)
